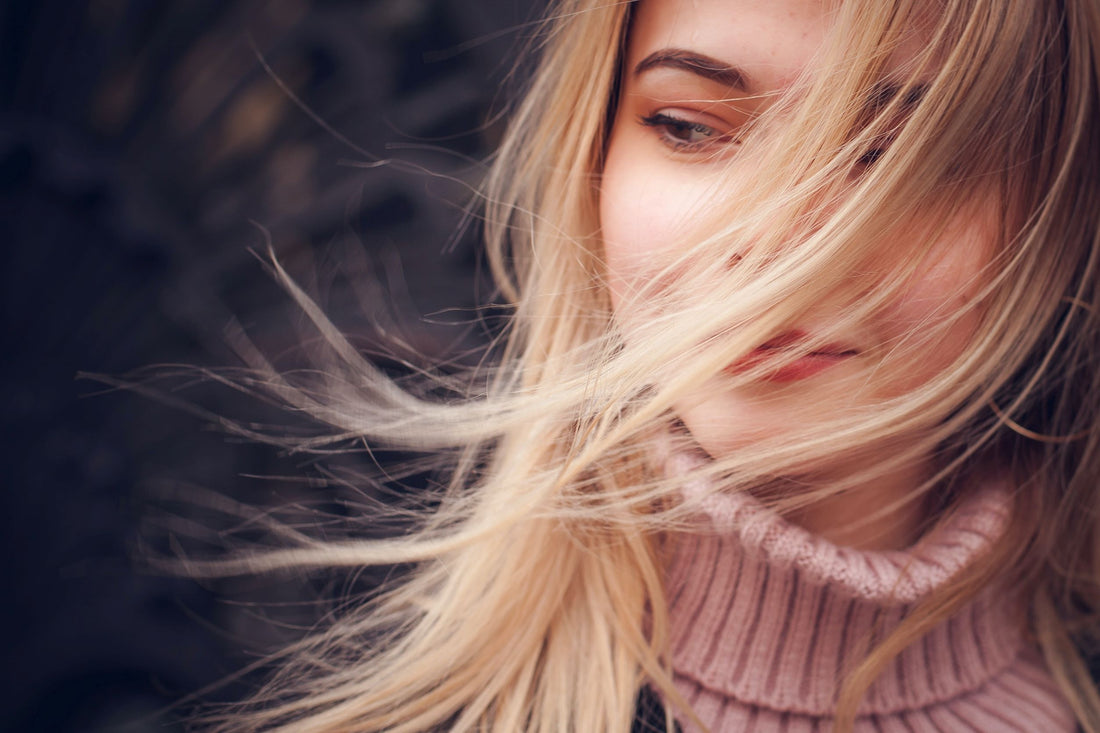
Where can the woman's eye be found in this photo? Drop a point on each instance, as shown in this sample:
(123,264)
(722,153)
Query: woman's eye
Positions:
(871,157)
(878,148)
(684,134)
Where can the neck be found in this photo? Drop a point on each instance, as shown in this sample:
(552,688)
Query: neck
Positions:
(885,513)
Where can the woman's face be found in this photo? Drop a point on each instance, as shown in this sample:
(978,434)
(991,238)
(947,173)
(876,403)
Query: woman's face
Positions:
(688,64)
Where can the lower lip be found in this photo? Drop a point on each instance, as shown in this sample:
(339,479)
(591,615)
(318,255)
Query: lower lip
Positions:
(794,371)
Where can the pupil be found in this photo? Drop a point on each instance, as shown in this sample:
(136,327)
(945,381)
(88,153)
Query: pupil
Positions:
(689,132)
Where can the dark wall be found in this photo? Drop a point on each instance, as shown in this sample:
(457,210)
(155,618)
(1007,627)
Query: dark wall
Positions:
(145,153)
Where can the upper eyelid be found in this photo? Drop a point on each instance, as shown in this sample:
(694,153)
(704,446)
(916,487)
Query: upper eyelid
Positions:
(704,100)
(720,116)
(724,135)
(703,116)
(730,115)
(739,105)
(662,117)
(726,110)
(688,117)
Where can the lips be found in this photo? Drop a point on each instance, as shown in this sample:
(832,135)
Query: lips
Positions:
(805,366)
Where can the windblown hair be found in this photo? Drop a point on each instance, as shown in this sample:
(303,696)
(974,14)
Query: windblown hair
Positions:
(536,601)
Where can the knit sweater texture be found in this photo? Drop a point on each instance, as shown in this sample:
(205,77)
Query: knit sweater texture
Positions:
(766,618)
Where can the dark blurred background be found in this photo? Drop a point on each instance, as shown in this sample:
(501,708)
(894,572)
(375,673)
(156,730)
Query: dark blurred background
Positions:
(145,153)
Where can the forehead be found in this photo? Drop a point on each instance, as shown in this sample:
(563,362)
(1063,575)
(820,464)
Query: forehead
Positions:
(770,40)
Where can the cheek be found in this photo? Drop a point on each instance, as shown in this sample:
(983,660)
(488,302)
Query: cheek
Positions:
(631,227)
(645,206)
(630,239)
(935,319)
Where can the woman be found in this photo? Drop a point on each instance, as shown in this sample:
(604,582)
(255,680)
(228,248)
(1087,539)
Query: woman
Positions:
(795,424)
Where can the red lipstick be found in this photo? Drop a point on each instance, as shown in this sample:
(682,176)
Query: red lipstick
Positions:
(803,367)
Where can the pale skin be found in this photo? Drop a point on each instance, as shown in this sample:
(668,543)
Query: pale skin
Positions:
(687,61)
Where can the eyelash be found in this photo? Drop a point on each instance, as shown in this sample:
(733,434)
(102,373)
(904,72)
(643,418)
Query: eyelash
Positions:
(871,157)
(669,126)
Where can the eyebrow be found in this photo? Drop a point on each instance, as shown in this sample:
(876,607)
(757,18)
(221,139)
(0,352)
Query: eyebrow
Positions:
(711,68)
(695,63)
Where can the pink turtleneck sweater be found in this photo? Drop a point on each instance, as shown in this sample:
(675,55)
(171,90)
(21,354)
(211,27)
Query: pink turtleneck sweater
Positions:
(765,615)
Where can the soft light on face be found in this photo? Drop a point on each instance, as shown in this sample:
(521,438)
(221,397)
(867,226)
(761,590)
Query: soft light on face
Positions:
(696,73)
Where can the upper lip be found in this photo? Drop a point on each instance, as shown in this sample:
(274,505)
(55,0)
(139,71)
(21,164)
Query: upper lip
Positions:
(789,340)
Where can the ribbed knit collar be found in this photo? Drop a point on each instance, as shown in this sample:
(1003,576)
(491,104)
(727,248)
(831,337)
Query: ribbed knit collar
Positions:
(769,615)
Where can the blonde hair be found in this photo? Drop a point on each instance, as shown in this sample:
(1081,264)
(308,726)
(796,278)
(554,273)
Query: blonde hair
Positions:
(536,601)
